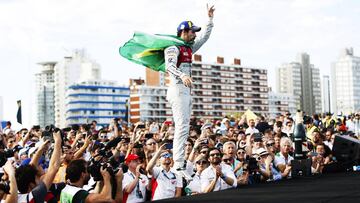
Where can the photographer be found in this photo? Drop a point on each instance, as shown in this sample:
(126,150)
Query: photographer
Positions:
(77,176)
(134,183)
(11,187)
(31,186)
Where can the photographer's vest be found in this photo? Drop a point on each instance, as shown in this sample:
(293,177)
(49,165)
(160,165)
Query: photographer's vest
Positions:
(68,193)
(185,55)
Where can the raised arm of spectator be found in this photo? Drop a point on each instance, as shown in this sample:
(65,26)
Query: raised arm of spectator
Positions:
(119,194)
(81,151)
(36,157)
(131,186)
(248,148)
(10,172)
(77,138)
(54,164)
(26,138)
(194,150)
(267,174)
(105,194)
(152,162)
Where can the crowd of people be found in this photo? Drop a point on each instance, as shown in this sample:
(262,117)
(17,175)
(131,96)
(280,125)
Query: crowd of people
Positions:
(125,162)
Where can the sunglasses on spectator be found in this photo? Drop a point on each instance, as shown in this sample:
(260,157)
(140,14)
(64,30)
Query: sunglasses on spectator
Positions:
(270,144)
(202,162)
(151,143)
(226,160)
(167,155)
(241,152)
(215,154)
(204,152)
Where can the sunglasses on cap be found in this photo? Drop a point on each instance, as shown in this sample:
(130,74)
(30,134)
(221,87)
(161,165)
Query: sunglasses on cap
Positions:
(166,155)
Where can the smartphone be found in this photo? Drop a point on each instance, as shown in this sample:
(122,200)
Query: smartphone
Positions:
(313,154)
(141,126)
(149,135)
(169,146)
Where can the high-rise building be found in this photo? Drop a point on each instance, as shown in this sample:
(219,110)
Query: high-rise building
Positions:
(45,92)
(288,81)
(326,104)
(302,80)
(73,69)
(279,103)
(345,82)
(98,100)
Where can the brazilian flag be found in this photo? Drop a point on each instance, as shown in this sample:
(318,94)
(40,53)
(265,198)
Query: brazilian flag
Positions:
(148,50)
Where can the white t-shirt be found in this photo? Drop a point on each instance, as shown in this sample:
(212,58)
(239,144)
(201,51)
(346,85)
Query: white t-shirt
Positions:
(195,185)
(165,183)
(251,131)
(280,159)
(209,175)
(141,186)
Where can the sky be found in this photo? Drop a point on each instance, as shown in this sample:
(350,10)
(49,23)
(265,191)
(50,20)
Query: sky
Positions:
(262,33)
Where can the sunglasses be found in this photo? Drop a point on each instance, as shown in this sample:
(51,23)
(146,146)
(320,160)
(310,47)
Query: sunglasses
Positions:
(270,144)
(204,152)
(202,162)
(241,152)
(167,155)
(226,160)
(153,143)
(216,154)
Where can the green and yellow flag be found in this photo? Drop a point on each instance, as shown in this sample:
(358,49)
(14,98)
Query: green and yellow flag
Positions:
(148,50)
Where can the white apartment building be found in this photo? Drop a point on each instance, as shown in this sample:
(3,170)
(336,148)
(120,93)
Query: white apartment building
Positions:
(301,79)
(345,74)
(45,93)
(98,100)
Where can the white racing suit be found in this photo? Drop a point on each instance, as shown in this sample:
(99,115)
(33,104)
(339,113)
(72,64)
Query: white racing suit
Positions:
(178,64)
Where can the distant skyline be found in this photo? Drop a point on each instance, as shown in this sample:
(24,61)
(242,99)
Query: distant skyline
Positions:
(262,33)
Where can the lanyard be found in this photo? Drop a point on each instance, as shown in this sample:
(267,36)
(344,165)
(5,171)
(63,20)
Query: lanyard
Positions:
(174,177)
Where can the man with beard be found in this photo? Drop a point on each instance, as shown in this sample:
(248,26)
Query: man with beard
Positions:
(218,176)
(77,176)
(178,64)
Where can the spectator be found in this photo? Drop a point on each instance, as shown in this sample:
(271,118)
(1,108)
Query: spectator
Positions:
(262,125)
(283,159)
(217,176)
(165,184)
(251,129)
(31,187)
(134,183)
(267,170)
(194,186)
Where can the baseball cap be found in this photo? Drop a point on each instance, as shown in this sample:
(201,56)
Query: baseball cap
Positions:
(131,157)
(188,25)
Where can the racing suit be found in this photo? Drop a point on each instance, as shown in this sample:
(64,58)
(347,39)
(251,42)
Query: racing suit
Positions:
(178,64)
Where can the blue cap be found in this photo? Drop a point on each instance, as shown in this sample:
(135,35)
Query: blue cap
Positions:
(188,25)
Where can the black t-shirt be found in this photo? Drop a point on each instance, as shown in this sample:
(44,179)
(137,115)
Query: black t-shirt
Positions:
(39,192)
(80,196)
